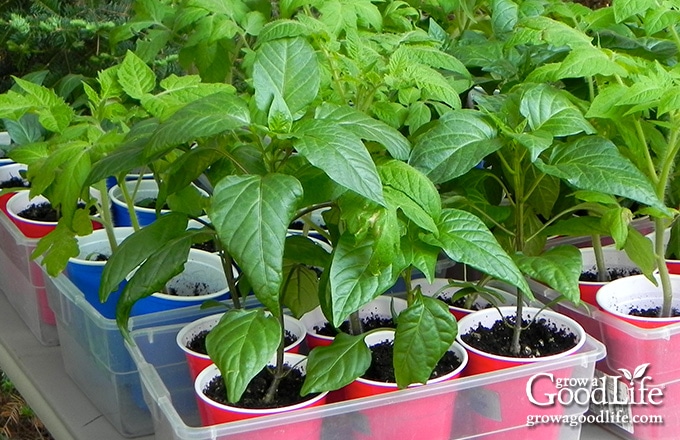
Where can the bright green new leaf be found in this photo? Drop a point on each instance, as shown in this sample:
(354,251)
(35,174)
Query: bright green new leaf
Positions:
(205,117)
(53,112)
(549,110)
(465,239)
(242,344)
(640,250)
(336,365)
(341,155)
(594,163)
(585,62)
(136,78)
(456,143)
(555,32)
(559,268)
(536,142)
(251,215)
(670,101)
(287,68)
(617,221)
(366,128)
(56,247)
(624,9)
(605,103)
(425,331)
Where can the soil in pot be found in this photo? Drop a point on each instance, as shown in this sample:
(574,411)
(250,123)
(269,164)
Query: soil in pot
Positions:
(42,212)
(14,182)
(192,289)
(382,366)
(370,322)
(197,343)
(539,338)
(614,274)
(149,203)
(652,312)
(460,303)
(288,391)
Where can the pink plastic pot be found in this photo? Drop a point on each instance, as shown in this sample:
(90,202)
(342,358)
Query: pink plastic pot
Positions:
(197,362)
(381,306)
(427,418)
(213,413)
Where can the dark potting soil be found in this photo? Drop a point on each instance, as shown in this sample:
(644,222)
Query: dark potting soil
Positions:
(614,274)
(14,182)
(42,212)
(652,312)
(196,289)
(208,246)
(382,366)
(541,338)
(288,392)
(197,343)
(368,323)
(460,303)
(150,203)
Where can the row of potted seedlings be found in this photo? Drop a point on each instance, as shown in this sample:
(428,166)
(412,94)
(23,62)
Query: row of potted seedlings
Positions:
(272,154)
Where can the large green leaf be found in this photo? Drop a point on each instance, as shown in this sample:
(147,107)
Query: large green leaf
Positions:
(287,68)
(465,239)
(457,142)
(341,155)
(586,62)
(336,365)
(205,117)
(624,9)
(241,345)
(504,16)
(559,268)
(425,331)
(136,78)
(137,248)
(251,215)
(548,109)
(301,292)
(594,163)
(412,184)
(367,128)
(53,112)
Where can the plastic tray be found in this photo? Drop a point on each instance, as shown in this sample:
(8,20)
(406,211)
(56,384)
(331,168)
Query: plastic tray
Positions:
(96,359)
(22,281)
(479,412)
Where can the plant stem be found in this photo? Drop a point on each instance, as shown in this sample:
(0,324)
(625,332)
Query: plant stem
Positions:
(602,274)
(279,373)
(105,214)
(659,250)
(227,263)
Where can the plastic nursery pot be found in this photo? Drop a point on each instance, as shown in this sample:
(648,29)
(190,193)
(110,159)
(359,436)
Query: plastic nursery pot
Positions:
(382,306)
(433,290)
(614,259)
(85,271)
(427,418)
(112,181)
(197,362)
(623,295)
(8,172)
(203,279)
(482,362)
(672,265)
(30,228)
(213,413)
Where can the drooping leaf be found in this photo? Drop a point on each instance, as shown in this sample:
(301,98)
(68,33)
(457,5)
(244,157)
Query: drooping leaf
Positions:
(251,215)
(242,344)
(425,331)
(336,365)
(465,239)
(559,268)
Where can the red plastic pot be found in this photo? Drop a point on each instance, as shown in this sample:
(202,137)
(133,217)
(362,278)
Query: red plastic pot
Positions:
(427,418)
(213,413)
(197,362)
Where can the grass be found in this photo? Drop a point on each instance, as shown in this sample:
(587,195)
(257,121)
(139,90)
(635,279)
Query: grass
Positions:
(17,419)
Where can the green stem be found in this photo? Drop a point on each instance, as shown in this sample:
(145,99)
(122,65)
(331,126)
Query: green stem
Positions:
(105,214)
(279,372)
(410,294)
(227,264)
(602,274)
(659,250)
(130,202)
(649,163)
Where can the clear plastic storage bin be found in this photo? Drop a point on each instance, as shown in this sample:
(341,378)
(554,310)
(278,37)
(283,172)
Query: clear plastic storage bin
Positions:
(485,405)
(22,281)
(96,359)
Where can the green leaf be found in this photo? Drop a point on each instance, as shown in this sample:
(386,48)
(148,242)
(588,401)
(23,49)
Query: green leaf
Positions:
(302,249)
(301,292)
(407,180)
(465,239)
(425,331)
(624,9)
(504,17)
(605,103)
(670,101)
(594,163)
(456,143)
(136,78)
(53,112)
(205,117)
(341,155)
(366,128)
(559,268)
(178,92)
(251,215)
(287,68)
(189,166)
(577,227)
(56,247)
(419,114)
(281,29)
(547,109)
(640,250)
(617,220)
(242,344)
(336,365)
(137,248)
(536,142)
(586,62)
(552,32)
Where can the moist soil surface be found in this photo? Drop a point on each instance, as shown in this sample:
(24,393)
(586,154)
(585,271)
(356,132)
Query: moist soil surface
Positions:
(42,212)
(382,366)
(541,338)
(288,392)
(197,343)
(14,182)
(195,289)
(614,274)
(370,322)
(460,303)
(652,312)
